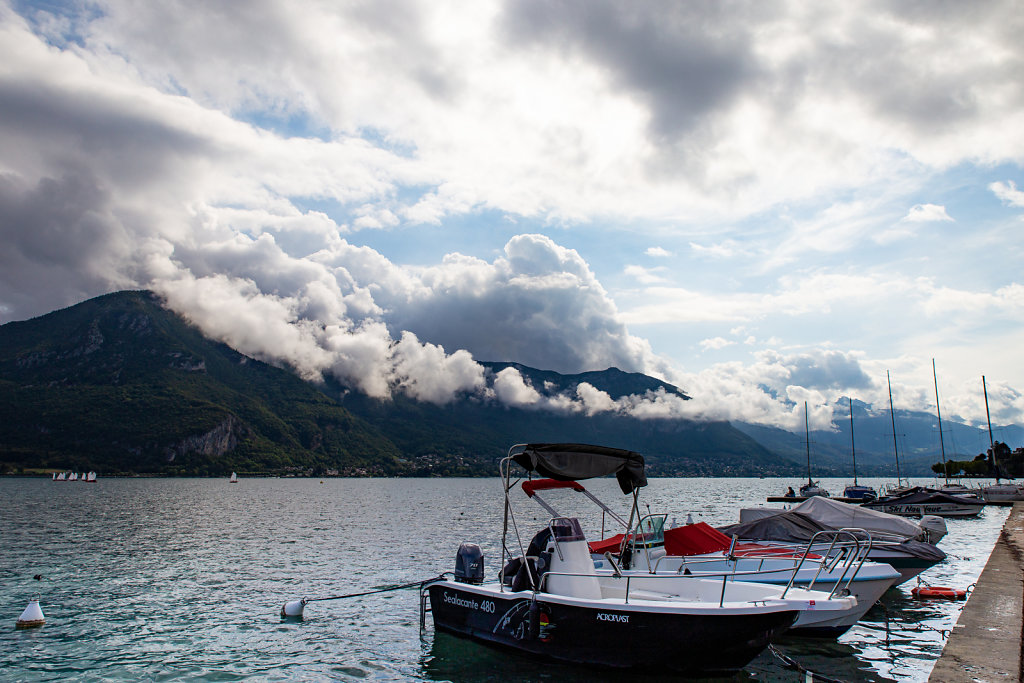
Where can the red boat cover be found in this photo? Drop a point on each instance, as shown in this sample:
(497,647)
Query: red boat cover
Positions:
(608,545)
(695,539)
(699,539)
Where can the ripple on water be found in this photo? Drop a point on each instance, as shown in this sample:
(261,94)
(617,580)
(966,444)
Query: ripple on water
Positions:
(183,579)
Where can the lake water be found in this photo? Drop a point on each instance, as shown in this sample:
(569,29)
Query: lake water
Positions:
(184,579)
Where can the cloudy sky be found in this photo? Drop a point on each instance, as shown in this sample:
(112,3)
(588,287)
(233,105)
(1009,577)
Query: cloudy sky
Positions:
(761,202)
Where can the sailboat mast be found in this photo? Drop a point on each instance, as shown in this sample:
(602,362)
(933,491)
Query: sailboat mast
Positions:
(938,413)
(892,414)
(988,419)
(807,435)
(853,445)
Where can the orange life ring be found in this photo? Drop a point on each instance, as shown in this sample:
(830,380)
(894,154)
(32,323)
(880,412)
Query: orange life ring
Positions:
(925,592)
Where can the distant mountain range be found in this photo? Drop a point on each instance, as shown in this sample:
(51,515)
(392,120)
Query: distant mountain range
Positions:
(917,438)
(120,384)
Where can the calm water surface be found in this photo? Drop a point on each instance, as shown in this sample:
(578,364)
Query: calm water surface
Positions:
(184,579)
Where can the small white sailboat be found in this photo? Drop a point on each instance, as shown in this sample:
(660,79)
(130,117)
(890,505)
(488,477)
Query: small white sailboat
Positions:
(233,479)
(90,478)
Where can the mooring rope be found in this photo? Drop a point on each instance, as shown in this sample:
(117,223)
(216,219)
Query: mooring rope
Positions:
(791,663)
(403,586)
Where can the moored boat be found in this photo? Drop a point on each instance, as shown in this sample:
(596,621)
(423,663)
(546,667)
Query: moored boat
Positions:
(811,488)
(1000,493)
(855,491)
(551,601)
(918,502)
(899,543)
(699,550)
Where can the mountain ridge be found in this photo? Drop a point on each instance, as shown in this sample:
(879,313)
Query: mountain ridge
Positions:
(119,383)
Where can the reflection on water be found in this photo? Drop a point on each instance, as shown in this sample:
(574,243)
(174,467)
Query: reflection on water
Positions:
(185,578)
(450,658)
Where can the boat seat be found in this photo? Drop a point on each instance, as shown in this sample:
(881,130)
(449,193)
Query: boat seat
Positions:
(518,575)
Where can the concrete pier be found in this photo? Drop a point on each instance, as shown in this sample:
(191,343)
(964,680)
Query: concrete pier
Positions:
(985,645)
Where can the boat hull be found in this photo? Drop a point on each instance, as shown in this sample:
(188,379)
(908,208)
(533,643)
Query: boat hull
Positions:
(867,587)
(611,635)
(922,509)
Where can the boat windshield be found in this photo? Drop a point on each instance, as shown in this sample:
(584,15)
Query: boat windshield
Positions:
(650,531)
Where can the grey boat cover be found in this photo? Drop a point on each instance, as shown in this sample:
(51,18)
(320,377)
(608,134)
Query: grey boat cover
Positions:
(573,461)
(835,514)
(791,527)
(796,527)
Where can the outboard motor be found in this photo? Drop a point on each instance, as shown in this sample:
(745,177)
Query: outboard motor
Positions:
(934,528)
(469,564)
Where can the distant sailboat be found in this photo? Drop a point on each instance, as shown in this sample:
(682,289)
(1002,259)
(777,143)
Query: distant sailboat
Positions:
(91,478)
(955,489)
(811,488)
(901,485)
(233,479)
(856,491)
(998,492)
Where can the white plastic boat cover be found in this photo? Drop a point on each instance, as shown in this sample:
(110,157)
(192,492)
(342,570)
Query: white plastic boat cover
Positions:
(836,515)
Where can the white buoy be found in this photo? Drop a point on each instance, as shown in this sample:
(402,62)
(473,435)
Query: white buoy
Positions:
(293,608)
(689,518)
(32,616)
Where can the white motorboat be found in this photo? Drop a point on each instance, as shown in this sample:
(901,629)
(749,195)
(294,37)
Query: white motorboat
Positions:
(683,550)
(698,550)
(907,546)
(551,601)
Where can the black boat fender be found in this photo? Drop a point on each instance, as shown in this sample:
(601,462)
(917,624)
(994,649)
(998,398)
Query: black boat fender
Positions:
(533,629)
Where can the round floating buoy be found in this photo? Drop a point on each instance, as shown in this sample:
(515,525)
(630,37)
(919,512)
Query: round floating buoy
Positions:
(293,608)
(940,592)
(32,616)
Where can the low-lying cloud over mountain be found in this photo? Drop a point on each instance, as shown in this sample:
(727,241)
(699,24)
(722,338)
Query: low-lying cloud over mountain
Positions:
(762,204)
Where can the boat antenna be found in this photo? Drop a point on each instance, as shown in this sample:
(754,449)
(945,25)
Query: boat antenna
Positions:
(807,436)
(938,413)
(988,419)
(892,414)
(853,445)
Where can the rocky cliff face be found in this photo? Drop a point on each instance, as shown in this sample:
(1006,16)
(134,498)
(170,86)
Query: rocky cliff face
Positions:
(220,440)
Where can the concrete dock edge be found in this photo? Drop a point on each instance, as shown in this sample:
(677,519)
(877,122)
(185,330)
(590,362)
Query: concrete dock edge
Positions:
(985,645)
